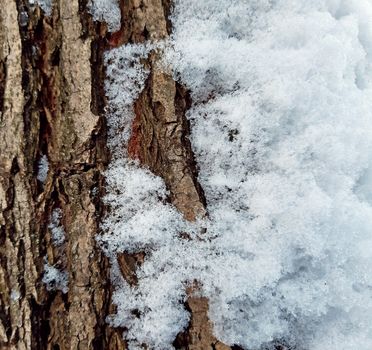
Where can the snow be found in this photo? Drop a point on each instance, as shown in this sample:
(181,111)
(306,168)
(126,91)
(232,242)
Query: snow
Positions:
(106,11)
(45,5)
(43,168)
(15,295)
(125,79)
(54,278)
(57,230)
(282,132)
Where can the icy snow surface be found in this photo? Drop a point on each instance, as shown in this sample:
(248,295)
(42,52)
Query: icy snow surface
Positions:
(107,11)
(282,132)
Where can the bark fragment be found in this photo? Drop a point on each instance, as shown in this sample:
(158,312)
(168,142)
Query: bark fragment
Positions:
(161,138)
(199,336)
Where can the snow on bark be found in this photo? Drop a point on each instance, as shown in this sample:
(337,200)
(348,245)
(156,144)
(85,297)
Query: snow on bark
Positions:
(56,228)
(46,5)
(54,278)
(107,11)
(281,127)
(43,168)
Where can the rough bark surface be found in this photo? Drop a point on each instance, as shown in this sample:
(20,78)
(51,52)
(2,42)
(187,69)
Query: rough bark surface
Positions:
(48,108)
(51,103)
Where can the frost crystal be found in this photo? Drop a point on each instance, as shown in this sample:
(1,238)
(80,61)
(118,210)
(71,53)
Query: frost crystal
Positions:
(55,278)
(43,169)
(107,11)
(57,230)
(282,132)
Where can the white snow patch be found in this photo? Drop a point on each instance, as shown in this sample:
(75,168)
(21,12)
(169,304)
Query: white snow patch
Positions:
(15,295)
(54,278)
(125,79)
(56,228)
(43,168)
(106,11)
(282,132)
(45,5)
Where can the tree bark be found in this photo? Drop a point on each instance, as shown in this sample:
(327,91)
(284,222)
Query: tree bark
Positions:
(52,104)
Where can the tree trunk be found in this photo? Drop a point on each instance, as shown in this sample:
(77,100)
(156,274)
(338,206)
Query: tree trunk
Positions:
(52,107)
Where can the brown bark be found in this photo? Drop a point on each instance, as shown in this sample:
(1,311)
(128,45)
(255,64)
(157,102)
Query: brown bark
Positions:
(48,108)
(51,103)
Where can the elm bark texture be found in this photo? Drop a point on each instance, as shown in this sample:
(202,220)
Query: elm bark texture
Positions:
(52,106)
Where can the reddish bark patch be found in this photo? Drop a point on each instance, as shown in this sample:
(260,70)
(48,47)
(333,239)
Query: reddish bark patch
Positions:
(134,144)
(116,39)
